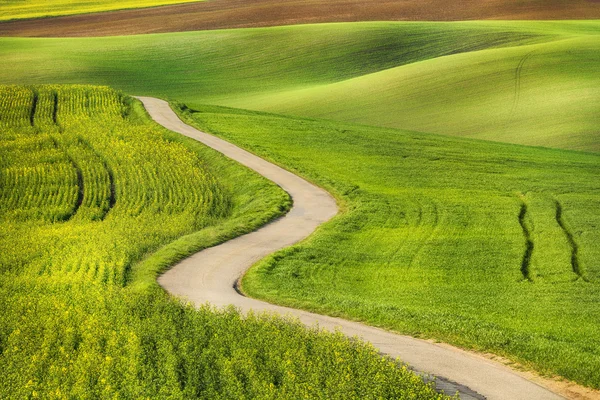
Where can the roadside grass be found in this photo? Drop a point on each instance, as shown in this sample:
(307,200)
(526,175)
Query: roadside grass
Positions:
(20,9)
(95,201)
(433,238)
(513,81)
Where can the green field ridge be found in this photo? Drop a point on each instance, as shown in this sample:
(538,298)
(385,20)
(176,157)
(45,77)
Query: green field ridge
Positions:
(522,82)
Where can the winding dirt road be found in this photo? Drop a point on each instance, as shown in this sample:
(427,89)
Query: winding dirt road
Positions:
(210,276)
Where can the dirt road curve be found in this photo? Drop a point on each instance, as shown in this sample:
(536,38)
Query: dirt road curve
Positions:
(209,276)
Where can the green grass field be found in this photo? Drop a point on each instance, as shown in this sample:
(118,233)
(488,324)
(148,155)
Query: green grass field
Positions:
(538,95)
(521,82)
(484,245)
(95,201)
(19,9)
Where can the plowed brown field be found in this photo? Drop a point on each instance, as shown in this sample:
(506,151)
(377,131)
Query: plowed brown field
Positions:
(218,14)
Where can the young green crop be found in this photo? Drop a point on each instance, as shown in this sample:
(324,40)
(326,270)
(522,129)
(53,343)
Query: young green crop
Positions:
(95,201)
(511,81)
(19,9)
(433,240)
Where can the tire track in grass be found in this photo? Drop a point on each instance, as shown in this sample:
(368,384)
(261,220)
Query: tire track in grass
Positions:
(55,109)
(80,186)
(57,145)
(529,246)
(79,178)
(112,199)
(518,73)
(425,242)
(83,146)
(33,108)
(577,267)
(402,244)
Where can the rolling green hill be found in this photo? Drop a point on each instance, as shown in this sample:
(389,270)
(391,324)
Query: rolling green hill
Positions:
(542,95)
(485,245)
(522,82)
(95,201)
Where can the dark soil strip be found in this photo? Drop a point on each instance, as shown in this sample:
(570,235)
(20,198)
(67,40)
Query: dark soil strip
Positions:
(112,199)
(525,270)
(79,201)
(222,14)
(55,109)
(33,108)
(577,268)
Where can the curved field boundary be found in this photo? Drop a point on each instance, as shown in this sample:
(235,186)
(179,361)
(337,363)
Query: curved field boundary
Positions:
(211,276)
(231,14)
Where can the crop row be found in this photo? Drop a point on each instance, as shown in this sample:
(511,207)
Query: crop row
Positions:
(76,103)
(15,106)
(83,160)
(93,179)
(37,181)
(44,106)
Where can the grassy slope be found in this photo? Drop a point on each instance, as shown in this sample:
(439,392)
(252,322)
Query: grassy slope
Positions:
(83,316)
(18,9)
(431,243)
(366,72)
(538,95)
(247,64)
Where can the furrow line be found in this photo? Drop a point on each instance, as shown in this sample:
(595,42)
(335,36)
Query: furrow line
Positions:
(81,191)
(111,178)
(429,237)
(577,268)
(526,262)
(55,108)
(33,108)
(79,174)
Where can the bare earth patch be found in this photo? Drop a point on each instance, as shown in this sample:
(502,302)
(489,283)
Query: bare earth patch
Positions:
(221,14)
